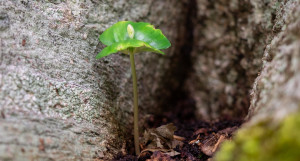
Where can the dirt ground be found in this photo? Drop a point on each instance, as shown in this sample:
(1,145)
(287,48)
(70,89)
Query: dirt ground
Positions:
(192,140)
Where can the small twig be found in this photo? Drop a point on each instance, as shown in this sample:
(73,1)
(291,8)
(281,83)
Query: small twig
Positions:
(179,138)
(220,140)
(196,141)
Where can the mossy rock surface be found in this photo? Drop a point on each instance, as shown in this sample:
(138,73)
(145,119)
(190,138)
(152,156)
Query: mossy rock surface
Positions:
(273,128)
(263,142)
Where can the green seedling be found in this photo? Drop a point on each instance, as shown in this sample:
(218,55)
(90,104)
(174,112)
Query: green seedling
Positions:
(133,37)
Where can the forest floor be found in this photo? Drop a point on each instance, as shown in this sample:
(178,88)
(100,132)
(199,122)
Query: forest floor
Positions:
(171,137)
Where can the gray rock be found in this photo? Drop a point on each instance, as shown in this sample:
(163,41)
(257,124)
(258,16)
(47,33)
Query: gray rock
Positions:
(230,41)
(272,126)
(56,101)
(226,58)
(276,92)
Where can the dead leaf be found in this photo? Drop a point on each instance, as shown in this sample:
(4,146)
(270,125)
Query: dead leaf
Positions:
(175,143)
(160,142)
(172,153)
(166,131)
(169,152)
(154,150)
(159,156)
(160,137)
(210,145)
(200,131)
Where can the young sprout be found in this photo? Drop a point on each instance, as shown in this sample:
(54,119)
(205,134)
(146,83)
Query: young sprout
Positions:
(133,37)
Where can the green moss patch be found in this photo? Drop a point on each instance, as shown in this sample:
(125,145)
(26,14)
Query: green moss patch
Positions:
(264,142)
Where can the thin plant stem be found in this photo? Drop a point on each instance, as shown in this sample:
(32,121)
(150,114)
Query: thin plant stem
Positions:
(135,103)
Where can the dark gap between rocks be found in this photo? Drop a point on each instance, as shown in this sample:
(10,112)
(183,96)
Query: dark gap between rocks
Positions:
(176,97)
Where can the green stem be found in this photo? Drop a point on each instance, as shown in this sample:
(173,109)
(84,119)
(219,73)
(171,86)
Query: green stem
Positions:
(135,103)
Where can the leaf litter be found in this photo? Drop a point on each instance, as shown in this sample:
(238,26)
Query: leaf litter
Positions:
(184,141)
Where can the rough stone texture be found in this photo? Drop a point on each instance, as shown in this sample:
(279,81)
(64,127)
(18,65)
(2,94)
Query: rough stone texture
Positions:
(226,58)
(56,101)
(273,117)
(229,42)
(276,90)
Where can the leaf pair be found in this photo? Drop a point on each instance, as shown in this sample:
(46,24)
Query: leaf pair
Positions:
(128,36)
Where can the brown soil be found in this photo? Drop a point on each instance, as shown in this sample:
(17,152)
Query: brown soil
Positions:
(205,136)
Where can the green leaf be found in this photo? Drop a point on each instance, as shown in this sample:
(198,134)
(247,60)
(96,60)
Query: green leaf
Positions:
(124,46)
(116,33)
(147,33)
(145,38)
